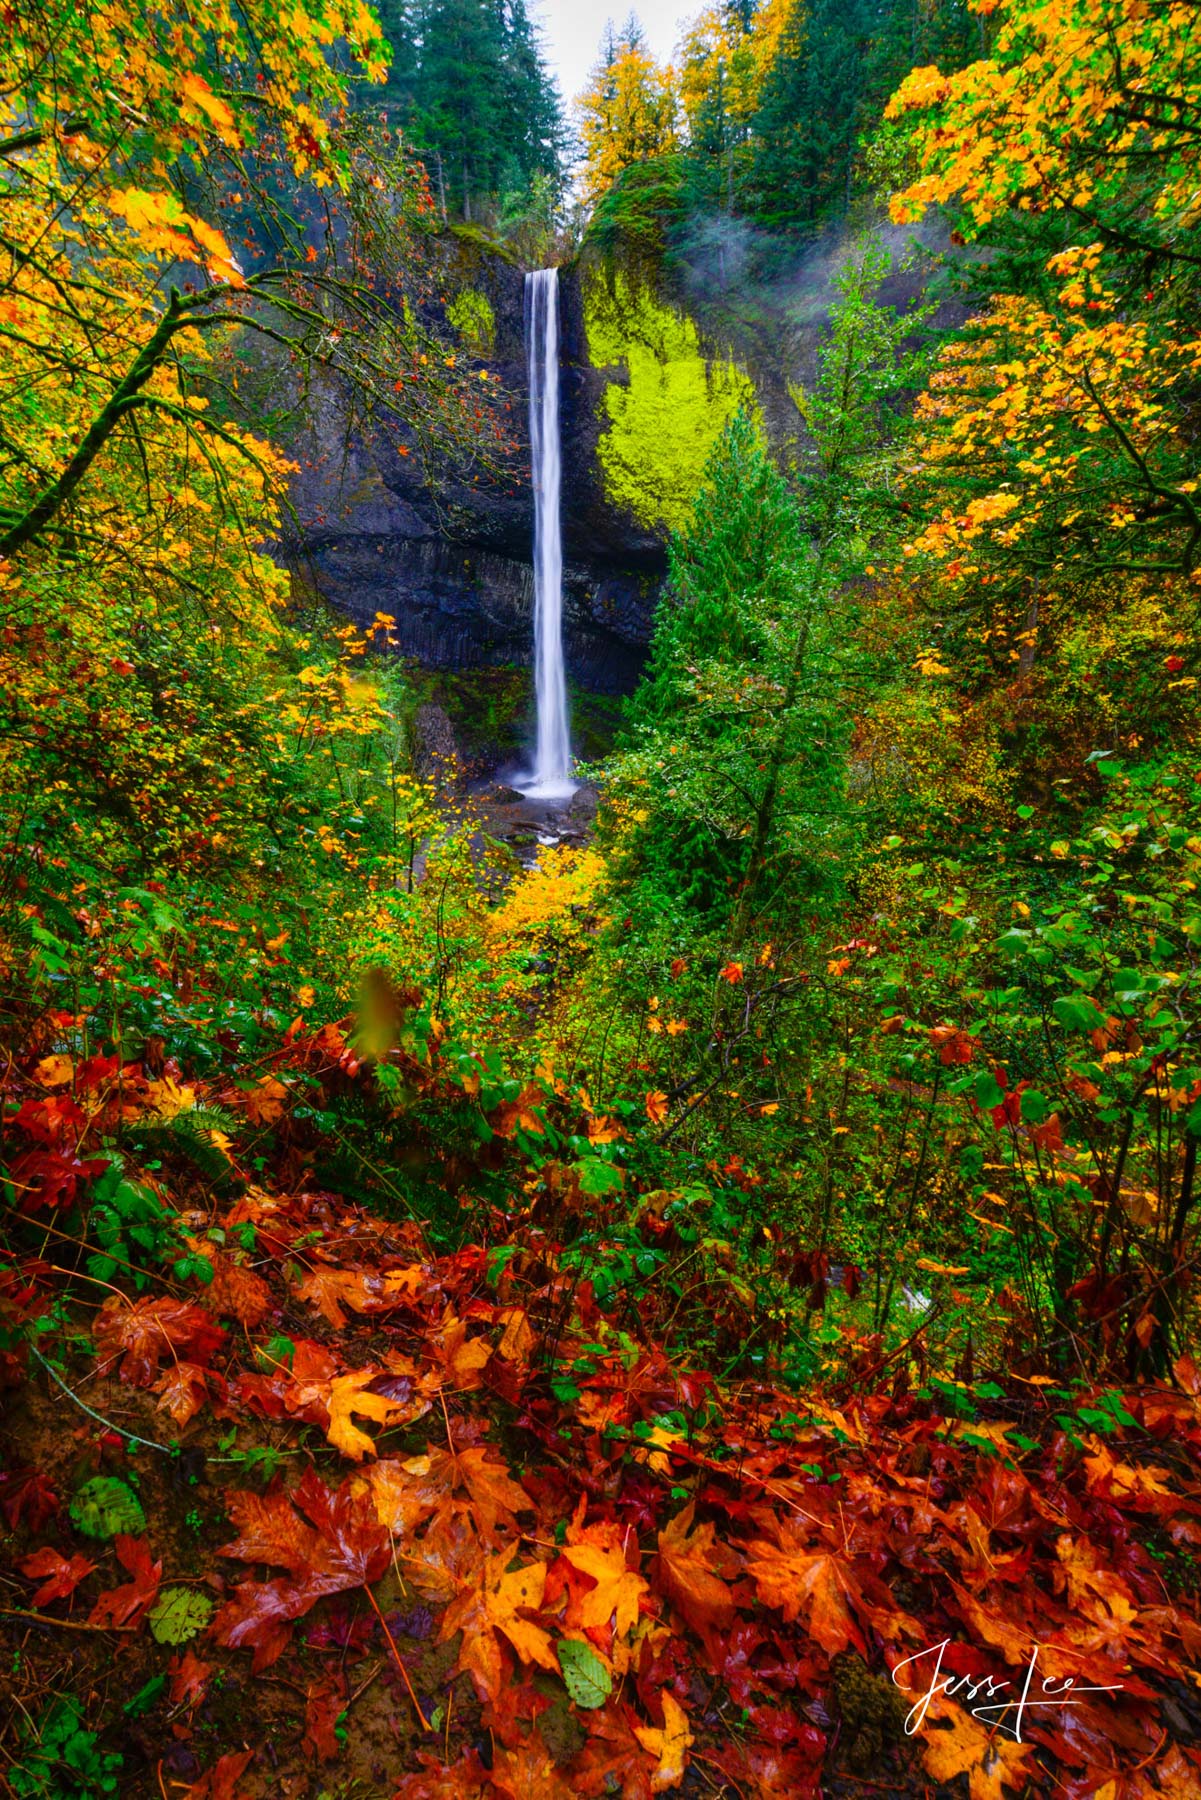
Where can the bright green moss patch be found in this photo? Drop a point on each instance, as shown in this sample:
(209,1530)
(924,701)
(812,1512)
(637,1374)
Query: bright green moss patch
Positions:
(471,314)
(664,422)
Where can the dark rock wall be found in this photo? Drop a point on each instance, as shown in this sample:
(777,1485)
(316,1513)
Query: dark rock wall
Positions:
(456,575)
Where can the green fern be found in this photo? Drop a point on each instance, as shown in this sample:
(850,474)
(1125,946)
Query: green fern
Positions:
(189,1134)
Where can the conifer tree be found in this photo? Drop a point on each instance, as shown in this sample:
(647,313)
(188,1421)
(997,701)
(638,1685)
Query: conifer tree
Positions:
(469,84)
(807,123)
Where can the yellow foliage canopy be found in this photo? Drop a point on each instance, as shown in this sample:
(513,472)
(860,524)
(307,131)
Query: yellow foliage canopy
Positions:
(627,114)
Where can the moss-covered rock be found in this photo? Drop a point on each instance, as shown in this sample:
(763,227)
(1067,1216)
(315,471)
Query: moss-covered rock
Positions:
(665,416)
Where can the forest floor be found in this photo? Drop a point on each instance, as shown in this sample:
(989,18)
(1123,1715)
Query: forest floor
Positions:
(349,1515)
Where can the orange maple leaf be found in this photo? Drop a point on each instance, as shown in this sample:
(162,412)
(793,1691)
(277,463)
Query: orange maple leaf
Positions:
(615,1597)
(684,1573)
(494,1494)
(235,1292)
(364,1291)
(494,1602)
(793,1578)
(265,1102)
(404,1493)
(182,1391)
(462,1358)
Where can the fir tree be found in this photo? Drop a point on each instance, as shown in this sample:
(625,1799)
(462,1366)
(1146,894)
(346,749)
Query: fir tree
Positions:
(469,84)
(807,125)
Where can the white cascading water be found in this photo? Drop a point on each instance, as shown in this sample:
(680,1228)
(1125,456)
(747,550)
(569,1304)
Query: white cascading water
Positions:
(551,775)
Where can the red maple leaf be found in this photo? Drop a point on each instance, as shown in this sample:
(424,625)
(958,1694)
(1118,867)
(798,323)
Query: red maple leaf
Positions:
(26,1497)
(190,1679)
(58,1576)
(328,1540)
(143,1332)
(129,1603)
(221,1782)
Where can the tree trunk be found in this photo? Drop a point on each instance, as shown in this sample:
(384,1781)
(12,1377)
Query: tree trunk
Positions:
(124,398)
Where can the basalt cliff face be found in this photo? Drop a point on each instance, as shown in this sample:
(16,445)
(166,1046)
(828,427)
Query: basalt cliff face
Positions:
(456,573)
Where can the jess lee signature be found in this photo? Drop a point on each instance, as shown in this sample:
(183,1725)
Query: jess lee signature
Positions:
(1047,1692)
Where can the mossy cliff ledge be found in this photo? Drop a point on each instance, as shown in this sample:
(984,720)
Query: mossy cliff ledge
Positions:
(450,558)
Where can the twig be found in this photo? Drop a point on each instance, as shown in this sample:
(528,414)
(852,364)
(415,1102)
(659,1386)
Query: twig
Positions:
(17,1612)
(404,1673)
(130,1436)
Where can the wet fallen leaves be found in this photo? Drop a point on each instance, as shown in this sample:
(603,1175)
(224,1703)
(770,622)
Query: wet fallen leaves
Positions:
(715,1582)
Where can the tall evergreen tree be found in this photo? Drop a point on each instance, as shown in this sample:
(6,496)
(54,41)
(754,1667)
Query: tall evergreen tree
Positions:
(399,20)
(469,85)
(807,124)
(835,64)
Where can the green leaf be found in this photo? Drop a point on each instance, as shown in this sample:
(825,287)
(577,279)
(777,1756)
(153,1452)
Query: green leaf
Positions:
(178,1614)
(1014,942)
(1036,1108)
(281,1349)
(105,1507)
(199,1266)
(597,1177)
(988,1094)
(146,1697)
(588,1681)
(1077,1015)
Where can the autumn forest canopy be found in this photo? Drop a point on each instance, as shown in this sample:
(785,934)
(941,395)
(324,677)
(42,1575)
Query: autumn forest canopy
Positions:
(701,1295)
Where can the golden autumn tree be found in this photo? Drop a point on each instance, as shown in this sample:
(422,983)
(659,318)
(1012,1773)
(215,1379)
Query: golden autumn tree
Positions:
(147,677)
(724,58)
(1090,108)
(127,135)
(628,113)
(722,44)
(1054,468)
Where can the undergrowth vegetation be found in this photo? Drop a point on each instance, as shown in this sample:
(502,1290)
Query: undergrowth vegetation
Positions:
(707,1308)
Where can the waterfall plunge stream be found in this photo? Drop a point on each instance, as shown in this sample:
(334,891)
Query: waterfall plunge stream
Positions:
(550,778)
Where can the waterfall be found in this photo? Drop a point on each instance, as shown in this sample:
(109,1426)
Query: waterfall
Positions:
(551,775)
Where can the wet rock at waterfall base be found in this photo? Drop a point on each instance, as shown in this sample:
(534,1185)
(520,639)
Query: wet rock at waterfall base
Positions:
(582,807)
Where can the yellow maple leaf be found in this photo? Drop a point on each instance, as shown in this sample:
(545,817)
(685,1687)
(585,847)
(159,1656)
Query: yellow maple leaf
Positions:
(169,1098)
(519,1338)
(493,1603)
(197,92)
(670,1744)
(991,1763)
(54,1071)
(615,1598)
(347,1397)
